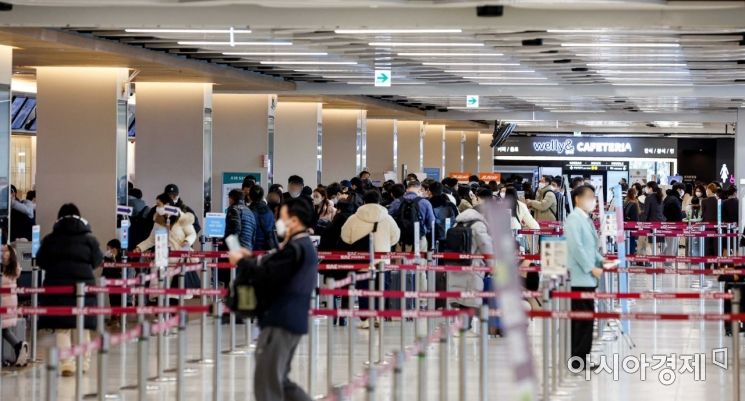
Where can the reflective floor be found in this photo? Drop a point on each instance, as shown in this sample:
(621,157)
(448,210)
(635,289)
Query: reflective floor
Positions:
(665,344)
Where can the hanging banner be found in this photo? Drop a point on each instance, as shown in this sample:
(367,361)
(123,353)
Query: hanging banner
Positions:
(486,177)
(462,177)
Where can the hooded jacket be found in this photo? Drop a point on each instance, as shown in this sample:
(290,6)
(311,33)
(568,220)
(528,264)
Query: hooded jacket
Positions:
(241,222)
(481,242)
(544,205)
(264,239)
(68,256)
(362,223)
(182,230)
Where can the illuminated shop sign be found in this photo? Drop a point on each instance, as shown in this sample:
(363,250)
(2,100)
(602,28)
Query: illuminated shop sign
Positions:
(588,146)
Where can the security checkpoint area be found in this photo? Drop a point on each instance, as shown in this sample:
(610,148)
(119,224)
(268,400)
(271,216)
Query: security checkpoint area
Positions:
(371,200)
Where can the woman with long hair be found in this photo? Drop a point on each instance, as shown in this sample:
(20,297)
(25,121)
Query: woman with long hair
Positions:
(11,271)
(631,212)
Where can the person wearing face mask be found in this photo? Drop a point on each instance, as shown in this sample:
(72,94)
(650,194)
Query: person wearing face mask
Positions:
(672,209)
(699,194)
(585,264)
(709,214)
(173,192)
(324,210)
(265,238)
(113,254)
(544,205)
(284,282)
(464,193)
(274,199)
(295,186)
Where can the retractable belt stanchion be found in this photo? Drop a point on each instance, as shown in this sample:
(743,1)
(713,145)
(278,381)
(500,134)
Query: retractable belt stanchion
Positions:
(232,341)
(554,323)
(217,370)
(462,365)
(34,304)
(702,252)
(444,362)
(101,302)
(123,296)
(372,381)
(431,287)
(564,337)
(80,330)
(398,376)
(330,283)
(654,253)
(203,316)
(546,347)
(103,362)
(351,331)
(1,339)
(403,279)
(143,357)
(181,357)
(53,374)
(162,357)
(736,299)
(422,369)
(312,347)
(483,354)
(381,307)
(371,304)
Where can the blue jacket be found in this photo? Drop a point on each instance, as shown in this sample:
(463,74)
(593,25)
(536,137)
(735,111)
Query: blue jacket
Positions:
(287,279)
(582,248)
(240,221)
(265,238)
(426,213)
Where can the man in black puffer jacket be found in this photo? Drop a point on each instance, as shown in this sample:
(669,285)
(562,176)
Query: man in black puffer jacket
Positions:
(68,256)
(284,282)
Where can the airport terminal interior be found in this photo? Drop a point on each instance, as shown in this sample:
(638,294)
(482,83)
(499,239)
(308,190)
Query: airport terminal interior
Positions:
(430,200)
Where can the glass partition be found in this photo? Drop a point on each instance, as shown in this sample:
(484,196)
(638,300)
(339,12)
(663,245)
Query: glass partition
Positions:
(4,160)
(121,152)
(207,160)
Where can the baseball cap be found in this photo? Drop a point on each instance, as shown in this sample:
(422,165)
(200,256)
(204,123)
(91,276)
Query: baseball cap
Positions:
(171,189)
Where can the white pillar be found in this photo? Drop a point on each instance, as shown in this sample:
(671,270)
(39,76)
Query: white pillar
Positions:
(454,151)
(486,154)
(471,152)
(410,146)
(6,73)
(243,129)
(77,144)
(740,161)
(434,148)
(343,144)
(298,141)
(174,140)
(382,144)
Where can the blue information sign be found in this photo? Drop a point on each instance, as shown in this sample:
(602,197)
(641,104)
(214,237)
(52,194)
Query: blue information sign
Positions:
(124,234)
(214,225)
(35,240)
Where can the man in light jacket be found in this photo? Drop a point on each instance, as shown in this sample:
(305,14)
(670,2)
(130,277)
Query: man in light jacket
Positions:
(585,263)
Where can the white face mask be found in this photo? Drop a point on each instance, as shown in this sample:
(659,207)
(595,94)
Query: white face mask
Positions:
(699,194)
(161,210)
(294,194)
(681,193)
(589,205)
(108,254)
(281,228)
(541,185)
(317,200)
(502,194)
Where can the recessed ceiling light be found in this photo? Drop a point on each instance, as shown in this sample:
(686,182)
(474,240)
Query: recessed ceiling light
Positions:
(518,83)
(371,82)
(170,30)
(213,43)
(610,44)
(577,111)
(576,30)
(624,72)
(275,54)
(365,31)
(489,71)
(497,78)
(450,54)
(649,84)
(324,70)
(299,62)
(647,79)
(425,44)
(471,64)
(637,64)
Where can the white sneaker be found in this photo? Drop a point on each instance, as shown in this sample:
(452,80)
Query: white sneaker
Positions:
(22,358)
(364,325)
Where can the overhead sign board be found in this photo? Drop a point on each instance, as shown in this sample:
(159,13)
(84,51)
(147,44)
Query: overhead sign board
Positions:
(382,77)
(586,146)
(472,101)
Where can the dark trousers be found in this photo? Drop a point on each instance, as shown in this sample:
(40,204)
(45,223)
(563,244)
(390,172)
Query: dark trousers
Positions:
(10,337)
(274,352)
(582,329)
(364,302)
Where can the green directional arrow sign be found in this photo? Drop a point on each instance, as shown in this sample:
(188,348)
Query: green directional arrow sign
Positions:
(472,101)
(382,77)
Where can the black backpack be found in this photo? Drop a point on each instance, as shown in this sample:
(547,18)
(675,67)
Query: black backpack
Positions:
(559,212)
(406,216)
(459,239)
(442,213)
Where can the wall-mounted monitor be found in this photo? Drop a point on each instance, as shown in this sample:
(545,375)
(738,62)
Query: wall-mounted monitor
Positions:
(19,122)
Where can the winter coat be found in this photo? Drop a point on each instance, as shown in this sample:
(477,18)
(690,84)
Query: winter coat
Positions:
(264,238)
(10,300)
(362,223)
(241,222)
(181,231)
(545,205)
(481,242)
(524,219)
(672,207)
(68,256)
(330,212)
(652,209)
(582,249)
(464,205)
